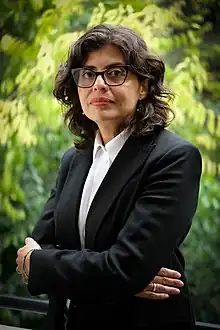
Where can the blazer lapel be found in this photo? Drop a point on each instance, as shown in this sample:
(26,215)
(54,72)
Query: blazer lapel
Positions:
(128,161)
(68,207)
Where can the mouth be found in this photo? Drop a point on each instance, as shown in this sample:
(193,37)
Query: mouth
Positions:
(100,101)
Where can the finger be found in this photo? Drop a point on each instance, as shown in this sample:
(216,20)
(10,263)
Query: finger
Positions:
(29,240)
(150,287)
(153,295)
(168,281)
(159,288)
(169,273)
(20,250)
(18,261)
(18,270)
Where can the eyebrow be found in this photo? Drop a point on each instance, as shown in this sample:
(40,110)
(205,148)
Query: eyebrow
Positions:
(106,67)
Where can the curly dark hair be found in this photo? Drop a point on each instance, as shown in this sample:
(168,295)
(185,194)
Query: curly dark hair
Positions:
(154,110)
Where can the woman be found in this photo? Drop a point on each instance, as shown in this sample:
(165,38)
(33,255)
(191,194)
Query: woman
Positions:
(124,198)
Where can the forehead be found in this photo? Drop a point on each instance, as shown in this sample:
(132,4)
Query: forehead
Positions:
(103,57)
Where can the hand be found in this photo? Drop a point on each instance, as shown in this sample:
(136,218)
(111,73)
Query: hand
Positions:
(23,267)
(164,284)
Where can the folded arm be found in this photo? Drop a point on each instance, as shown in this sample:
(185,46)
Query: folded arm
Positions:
(158,223)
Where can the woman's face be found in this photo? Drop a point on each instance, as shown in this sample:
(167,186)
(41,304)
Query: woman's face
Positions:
(105,104)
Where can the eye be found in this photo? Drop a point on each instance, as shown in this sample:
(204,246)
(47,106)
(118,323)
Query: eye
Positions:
(87,74)
(116,72)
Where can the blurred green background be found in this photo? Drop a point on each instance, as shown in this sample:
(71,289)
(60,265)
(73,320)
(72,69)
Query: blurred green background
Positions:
(35,37)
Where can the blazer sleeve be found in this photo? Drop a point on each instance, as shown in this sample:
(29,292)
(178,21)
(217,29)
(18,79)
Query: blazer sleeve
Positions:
(157,224)
(44,231)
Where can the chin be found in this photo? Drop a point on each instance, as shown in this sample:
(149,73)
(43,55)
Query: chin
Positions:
(106,118)
(107,114)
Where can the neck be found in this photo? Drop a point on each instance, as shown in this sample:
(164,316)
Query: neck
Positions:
(108,133)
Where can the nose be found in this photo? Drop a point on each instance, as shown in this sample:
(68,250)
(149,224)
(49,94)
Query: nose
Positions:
(100,84)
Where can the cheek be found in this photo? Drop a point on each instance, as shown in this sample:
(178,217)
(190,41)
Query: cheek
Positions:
(128,100)
(129,94)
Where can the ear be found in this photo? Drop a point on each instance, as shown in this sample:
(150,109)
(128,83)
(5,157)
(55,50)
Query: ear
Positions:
(143,91)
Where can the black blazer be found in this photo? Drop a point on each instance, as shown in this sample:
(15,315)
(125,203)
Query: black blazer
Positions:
(138,219)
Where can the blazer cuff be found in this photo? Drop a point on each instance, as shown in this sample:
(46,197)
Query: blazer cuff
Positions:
(41,275)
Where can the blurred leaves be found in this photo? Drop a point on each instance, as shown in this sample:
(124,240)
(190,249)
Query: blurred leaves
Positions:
(204,266)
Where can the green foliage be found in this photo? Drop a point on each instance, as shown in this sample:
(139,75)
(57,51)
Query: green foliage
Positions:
(202,250)
(26,110)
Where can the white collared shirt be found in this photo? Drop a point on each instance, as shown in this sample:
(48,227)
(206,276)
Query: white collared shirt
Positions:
(103,157)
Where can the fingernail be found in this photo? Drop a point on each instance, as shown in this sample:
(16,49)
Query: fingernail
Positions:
(165,296)
(179,283)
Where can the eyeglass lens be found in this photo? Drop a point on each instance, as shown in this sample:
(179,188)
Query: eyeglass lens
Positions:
(113,76)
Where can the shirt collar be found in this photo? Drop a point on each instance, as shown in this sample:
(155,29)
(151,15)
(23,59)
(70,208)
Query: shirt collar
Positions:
(97,144)
(113,146)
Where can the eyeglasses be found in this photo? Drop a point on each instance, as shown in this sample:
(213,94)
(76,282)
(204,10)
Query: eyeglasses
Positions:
(113,76)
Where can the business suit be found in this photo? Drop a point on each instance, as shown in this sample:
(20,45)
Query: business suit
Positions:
(138,218)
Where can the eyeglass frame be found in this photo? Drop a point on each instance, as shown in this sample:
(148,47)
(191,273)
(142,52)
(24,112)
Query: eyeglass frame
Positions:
(102,74)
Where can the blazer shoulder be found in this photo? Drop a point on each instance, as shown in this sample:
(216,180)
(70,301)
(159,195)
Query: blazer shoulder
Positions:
(168,141)
(172,150)
(169,147)
(67,155)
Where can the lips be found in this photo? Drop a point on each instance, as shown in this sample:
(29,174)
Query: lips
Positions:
(100,100)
